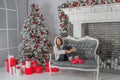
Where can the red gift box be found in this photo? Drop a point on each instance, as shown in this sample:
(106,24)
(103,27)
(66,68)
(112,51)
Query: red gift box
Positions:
(28,71)
(47,64)
(54,69)
(34,65)
(47,70)
(7,65)
(10,64)
(38,69)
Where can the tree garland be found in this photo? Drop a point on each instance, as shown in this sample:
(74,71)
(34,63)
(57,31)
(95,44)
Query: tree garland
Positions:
(64,19)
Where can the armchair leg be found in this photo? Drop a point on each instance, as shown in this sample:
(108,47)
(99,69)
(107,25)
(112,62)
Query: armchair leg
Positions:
(97,75)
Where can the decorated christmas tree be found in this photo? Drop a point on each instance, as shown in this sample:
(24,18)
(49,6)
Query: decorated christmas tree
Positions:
(34,43)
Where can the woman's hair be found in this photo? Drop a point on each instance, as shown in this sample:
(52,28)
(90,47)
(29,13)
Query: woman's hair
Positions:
(58,46)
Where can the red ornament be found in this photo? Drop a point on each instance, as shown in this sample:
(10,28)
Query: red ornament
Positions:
(38,41)
(42,32)
(64,16)
(28,30)
(37,15)
(33,36)
(37,10)
(39,69)
(25,26)
(33,5)
(35,47)
(35,23)
(31,14)
(62,25)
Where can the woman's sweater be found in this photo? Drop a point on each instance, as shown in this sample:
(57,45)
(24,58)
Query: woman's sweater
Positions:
(57,51)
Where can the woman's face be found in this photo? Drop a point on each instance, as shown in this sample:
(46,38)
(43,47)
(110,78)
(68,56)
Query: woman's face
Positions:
(58,42)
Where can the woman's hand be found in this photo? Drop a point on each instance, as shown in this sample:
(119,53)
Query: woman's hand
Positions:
(73,50)
(68,51)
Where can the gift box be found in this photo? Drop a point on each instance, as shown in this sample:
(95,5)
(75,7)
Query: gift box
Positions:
(10,64)
(38,69)
(54,69)
(29,71)
(7,65)
(34,65)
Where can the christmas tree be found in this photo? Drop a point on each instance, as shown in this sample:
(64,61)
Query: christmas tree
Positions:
(34,43)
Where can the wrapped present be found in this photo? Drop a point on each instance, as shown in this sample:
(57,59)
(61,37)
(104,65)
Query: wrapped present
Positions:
(7,65)
(38,69)
(34,65)
(10,64)
(28,71)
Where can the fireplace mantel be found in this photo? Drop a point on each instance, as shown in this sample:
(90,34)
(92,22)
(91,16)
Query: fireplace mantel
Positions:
(88,14)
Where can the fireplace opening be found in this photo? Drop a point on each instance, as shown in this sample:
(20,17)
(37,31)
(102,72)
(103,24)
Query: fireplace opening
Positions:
(108,34)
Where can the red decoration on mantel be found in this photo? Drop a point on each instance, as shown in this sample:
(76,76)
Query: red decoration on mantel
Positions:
(64,17)
(102,2)
(118,0)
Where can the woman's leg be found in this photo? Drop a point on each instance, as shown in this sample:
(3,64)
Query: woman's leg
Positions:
(61,57)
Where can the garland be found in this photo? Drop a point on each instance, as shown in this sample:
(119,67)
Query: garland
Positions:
(64,19)
(80,3)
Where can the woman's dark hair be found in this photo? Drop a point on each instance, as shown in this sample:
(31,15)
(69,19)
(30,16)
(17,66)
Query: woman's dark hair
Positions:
(58,46)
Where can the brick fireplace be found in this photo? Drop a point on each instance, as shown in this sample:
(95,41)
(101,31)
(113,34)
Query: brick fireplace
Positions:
(103,23)
(108,34)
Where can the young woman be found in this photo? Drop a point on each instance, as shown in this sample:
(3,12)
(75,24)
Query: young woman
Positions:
(64,53)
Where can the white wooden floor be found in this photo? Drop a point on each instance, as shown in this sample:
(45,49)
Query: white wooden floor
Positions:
(64,75)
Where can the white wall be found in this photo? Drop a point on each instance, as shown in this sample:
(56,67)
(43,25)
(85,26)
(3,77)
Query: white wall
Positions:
(11,19)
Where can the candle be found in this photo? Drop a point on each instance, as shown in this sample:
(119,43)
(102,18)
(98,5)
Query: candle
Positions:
(23,67)
(39,69)
(18,71)
(28,64)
